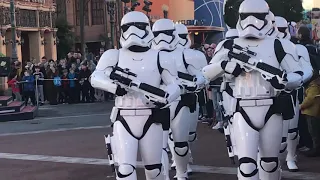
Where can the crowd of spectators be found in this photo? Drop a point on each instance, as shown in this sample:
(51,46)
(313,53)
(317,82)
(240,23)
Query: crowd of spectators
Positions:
(55,82)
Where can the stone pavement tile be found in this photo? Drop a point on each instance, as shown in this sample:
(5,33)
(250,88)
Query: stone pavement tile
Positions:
(79,143)
(209,149)
(32,170)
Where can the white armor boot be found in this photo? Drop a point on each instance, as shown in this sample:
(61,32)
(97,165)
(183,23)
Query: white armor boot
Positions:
(166,40)
(297,95)
(134,74)
(194,61)
(257,121)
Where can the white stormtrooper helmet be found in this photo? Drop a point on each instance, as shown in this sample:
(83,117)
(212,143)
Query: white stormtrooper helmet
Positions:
(165,35)
(135,30)
(273,32)
(253,22)
(282,25)
(185,41)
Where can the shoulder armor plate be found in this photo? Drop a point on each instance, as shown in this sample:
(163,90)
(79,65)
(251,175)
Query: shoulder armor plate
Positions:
(302,51)
(195,58)
(108,59)
(167,62)
(225,44)
(289,48)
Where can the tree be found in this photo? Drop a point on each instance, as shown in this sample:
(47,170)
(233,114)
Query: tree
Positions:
(66,37)
(291,10)
(231,12)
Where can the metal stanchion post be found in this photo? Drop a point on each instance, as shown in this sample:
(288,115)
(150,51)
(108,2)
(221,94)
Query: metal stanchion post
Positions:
(37,92)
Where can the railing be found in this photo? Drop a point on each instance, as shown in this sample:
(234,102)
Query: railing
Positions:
(42,79)
(33,1)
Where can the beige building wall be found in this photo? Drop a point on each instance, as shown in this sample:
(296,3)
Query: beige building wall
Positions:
(3,48)
(316,3)
(181,10)
(9,46)
(36,46)
(50,49)
(92,32)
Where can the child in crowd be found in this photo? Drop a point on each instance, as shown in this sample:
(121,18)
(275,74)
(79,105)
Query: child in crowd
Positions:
(13,83)
(75,67)
(84,81)
(39,76)
(28,87)
(72,86)
(65,87)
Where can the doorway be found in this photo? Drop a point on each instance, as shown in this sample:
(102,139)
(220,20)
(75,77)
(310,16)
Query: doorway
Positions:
(25,47)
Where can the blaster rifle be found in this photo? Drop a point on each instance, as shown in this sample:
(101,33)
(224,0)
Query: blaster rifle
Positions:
(188,81)
(247,60)
(227,133)
(127,79)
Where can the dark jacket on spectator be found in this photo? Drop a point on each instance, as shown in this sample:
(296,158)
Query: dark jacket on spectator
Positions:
(29,85)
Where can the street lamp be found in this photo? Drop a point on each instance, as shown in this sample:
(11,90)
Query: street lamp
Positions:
(111,7)
(14,55)
(146,6)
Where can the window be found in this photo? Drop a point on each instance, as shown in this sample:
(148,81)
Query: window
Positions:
(86,18)
(97,12)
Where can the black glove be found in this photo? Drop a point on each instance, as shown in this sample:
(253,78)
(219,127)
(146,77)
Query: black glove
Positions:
(121,91)
(231,68)
(159,105)
(191,89)
(276,84)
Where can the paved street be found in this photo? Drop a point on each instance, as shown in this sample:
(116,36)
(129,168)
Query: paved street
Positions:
(66,143)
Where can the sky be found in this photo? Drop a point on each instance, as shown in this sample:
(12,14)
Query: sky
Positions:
(307,4)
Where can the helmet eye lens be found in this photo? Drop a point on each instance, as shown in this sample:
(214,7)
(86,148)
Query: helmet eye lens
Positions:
(260,16)
(139,25)
(167,32)
(282,29)
(183,36)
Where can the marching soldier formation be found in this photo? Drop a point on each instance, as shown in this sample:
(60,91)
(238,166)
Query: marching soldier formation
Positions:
(156,77)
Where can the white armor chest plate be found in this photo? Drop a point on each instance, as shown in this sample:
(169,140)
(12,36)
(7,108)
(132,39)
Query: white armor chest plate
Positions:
(178,56)
(250,85)
(145,66)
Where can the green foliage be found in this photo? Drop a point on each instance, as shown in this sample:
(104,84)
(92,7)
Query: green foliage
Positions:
(133,1)
(231,14)
(66,37)
(2,55)
(291,10)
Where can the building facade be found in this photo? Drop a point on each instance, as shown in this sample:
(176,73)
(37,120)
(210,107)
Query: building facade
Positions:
(98,28)
(35,29)
(96,19)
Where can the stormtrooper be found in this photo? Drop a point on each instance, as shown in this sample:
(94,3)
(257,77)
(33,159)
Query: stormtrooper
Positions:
(273,32)
(196,62)
(187,63)
(227,95)
(134,74)
(262,67)
(226,103)
(290,138)
(166,40)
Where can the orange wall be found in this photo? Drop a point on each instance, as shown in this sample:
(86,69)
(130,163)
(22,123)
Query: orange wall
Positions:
(181,10)
(156,7)
(178,9)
